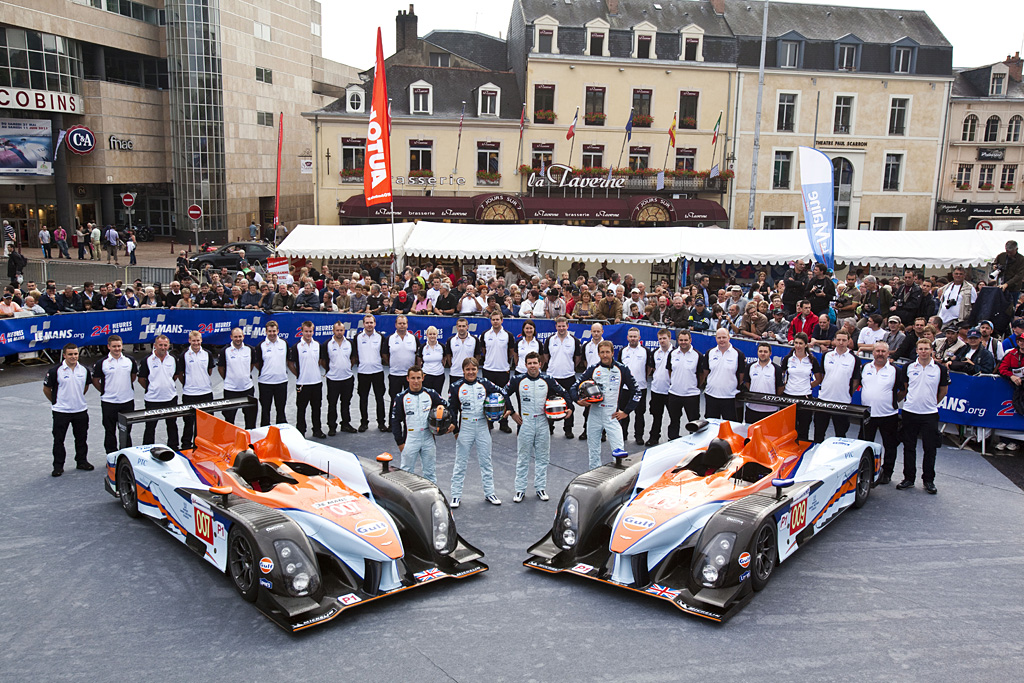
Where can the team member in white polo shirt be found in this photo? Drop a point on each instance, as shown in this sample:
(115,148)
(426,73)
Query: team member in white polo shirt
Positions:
(432,361)
(304,363)
(114,377)
(194,369)
(661,369)
(925,382)
(561,352)
(458,348)
(156,376)
(496,346)
(684,386)
(367,352)
(526,343)
(802,372)
(762,377)
(880,392)
(235,363)
(336,359)
(65,386)
(842,376)
(272,362)
(638,359)
(723,372)
(400,351)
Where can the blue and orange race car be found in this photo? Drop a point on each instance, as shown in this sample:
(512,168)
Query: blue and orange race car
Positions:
(305,531)
(703,520)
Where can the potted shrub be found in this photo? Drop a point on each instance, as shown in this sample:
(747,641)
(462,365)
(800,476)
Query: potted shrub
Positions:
(642,120)
(595,118)
(544,116)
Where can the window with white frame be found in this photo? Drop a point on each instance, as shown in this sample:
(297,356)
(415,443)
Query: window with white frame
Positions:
(992,129)
(639,158)
(643,40)
(421,156)
(265,118)
(1009,176)
(356,98)
(772,222)
(898,115)
(541,154)
(489,101)
(970,130)
(892,172)
(545,37)
(593,156)
(264,75)
(843,118)
(314,28)
(986,176)
(440,59)
(1013,128)
(847,60)
(261,31)
(782,171)
(686,158)
(998,79)
(790,54)
(692,38)
(688,101)
(593,106)
(643,46)
(786,119)
(901,60)
(353,152)
(964,172)
(597,38)
(421,96)
(488,162)
(543,103)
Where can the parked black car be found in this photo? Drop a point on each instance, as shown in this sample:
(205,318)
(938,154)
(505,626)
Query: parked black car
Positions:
(231,254)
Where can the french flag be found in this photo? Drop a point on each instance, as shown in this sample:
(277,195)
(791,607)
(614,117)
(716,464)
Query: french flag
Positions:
(572,128)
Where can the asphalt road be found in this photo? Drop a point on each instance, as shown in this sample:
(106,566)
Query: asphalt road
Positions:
(911,587)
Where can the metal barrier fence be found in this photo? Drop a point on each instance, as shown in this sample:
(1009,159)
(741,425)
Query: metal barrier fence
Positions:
(74,273)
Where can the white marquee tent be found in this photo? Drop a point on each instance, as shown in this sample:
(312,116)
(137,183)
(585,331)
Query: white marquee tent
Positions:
(344,241)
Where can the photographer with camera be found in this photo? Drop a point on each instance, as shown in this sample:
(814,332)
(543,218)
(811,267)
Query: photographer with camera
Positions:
(820,290)
(956,298)
(1010,268)
(876,299)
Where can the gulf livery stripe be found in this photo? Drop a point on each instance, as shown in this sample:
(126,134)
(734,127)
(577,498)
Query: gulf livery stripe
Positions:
(847,486)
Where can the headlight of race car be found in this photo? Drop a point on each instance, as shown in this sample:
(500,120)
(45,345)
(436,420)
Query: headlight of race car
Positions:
(567,523)
(711,564)
(300,575)
(440,523)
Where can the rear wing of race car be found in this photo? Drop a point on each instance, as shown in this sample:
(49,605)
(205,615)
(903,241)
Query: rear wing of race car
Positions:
(854,412)
(125,420)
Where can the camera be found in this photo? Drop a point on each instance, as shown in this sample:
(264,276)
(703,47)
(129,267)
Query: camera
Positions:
(994,276)
(951,303)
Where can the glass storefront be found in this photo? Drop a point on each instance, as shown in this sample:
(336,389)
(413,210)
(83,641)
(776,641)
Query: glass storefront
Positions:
(39,61)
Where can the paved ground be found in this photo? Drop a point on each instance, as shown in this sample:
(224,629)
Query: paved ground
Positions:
(911,587)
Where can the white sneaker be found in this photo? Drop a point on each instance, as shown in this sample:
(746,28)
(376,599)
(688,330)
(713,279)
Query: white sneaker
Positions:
(543,495)
(493,499)
(1012,446)
(1001,446)
(518,498)
(455,503)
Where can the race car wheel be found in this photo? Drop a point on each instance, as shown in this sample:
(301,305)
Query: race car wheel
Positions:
(865,474)
(242,563)
(126,488)
(764,553)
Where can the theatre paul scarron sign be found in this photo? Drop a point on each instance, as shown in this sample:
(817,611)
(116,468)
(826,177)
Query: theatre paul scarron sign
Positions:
(560,175)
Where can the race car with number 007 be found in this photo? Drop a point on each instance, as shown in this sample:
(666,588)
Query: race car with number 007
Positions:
(703,520)
(303,530)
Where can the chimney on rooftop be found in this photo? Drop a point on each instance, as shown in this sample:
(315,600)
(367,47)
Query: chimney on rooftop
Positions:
(718,6)
(406,29)
(613,7)
(1014,63)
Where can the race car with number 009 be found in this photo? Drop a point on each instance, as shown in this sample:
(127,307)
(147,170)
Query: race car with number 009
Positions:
(305,531)
(703,520)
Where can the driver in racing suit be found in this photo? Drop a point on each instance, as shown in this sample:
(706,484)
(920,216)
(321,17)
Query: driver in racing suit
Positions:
(534,440)
(409,414)
(620,397)
(466,401)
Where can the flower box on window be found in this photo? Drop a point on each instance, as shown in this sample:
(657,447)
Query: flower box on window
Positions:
(487,178)
(351,175)
(421,173)
(1007,186)
(544,116)
(985,186)
(688,122)
(595,118)
(642,120)
(590,172)
(963,186)
(526,169)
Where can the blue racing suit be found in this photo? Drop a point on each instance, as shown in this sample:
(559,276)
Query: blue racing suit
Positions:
(409,424)
(534,440)
(466,401)
(620,393)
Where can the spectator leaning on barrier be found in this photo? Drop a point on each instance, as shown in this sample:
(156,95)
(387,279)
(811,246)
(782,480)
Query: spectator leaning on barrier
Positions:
(973,359)
(804,321)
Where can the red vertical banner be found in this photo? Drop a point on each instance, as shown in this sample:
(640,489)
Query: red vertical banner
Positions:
(277,190)
(377,177)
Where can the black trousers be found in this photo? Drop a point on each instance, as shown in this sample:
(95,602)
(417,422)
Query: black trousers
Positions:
(751,416)
(339,389)
(276,394)
(676,406)
(149,433)
(79,423)
(658,403)
(721,408)
(110,411)
(638,429)
(500,379)
(376,381)
(435,382)
(189,434)
(249,413)
(396,384)
(889,427)
(308,396)
(567,383)
(927,428)
(803,419)
(841,423)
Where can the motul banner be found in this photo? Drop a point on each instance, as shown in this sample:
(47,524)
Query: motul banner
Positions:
(377,182)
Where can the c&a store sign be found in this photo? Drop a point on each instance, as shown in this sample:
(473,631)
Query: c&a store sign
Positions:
(41,100)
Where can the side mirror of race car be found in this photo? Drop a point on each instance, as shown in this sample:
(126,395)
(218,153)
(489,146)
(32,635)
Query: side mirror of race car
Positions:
(385,462)
(619,455)
(780,484)
(223,492)
(697,426)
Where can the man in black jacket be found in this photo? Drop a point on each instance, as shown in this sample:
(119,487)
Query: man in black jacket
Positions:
(820,289)
(796,286)
(908,299)
(678,315)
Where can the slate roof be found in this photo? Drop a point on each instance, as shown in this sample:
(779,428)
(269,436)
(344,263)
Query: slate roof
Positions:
(975,82)
(673,15)
(830,23)
(479,48)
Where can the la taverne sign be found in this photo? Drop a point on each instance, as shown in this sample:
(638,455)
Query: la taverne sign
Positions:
(560,175)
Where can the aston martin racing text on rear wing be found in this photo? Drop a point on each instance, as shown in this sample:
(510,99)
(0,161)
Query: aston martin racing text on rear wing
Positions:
(817,405)
(124,420)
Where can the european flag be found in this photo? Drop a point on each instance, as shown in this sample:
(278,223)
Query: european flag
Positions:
(629,127)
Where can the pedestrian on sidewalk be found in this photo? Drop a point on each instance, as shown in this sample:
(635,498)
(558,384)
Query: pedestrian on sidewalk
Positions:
(130,247)
(111,239)
(61,236)
(82,237)
(44,241)
(95,239)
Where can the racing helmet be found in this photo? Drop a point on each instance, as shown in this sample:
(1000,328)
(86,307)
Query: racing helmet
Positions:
(494,407)
(589,391)
(556,408)
(439,420)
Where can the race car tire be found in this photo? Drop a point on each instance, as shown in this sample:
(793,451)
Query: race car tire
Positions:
(764,554)
(865,475)
(242,562)
(127,490)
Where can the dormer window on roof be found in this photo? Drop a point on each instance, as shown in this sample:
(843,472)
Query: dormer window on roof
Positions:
(692,41)
(848,53)
(421,98)
(545,35)
(489,100)
(644,36)
(597,38)
(354,99)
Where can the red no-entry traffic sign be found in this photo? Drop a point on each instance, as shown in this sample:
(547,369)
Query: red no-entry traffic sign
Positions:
(195,212)
(128,199)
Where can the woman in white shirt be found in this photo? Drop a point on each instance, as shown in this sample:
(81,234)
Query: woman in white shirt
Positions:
(803,373)
(431,355)
(527,342)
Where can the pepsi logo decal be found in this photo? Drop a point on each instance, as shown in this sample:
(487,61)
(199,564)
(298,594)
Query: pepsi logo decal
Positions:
(638,522)
(745,560)
(80,140)
(266,565)
(371,529)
